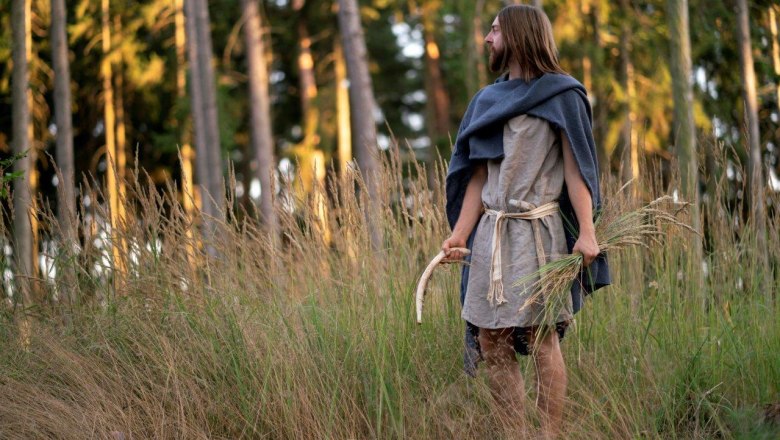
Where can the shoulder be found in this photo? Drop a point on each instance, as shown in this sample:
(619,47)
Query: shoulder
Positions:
(562,80)
(565,86)
(528,125)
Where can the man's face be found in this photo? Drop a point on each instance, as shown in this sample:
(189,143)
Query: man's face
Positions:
(495,43)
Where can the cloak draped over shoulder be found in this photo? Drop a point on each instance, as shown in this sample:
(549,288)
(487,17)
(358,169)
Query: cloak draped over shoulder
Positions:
(562,101)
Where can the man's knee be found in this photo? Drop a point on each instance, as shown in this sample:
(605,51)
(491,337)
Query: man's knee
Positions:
(545,343)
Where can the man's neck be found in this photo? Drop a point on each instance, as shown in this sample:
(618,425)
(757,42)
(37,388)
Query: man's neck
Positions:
(514,70)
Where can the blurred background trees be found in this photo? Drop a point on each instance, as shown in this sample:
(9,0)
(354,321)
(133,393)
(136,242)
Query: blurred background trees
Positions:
(250,104)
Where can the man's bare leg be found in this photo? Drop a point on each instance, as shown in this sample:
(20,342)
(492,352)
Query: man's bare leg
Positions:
(503,372)
(550,381)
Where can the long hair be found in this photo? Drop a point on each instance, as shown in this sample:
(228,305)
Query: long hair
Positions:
(528,38)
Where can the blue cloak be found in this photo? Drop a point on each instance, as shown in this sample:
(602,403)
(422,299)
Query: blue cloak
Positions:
(563,102)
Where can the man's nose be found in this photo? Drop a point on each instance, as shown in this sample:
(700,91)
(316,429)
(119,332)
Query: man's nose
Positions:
(488,39)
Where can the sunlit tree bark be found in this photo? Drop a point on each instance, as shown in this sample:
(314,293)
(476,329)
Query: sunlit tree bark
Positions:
(190,201)
(479,78)
(307,149)
(342,110)
(187,154)
(630,156)
(311,159)
(260,107)
(121,130)
(438,102)
(775,49)
(594,81)
(362,103)
(197,110)
(109,126)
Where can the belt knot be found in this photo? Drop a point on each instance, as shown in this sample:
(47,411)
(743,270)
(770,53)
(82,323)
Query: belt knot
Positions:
(528,212)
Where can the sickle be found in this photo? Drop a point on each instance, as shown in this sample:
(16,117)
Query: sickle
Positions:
(423,283)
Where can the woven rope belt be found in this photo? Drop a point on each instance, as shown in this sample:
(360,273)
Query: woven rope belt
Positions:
(528,212)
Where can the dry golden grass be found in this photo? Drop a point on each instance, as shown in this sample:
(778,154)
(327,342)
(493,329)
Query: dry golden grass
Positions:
(298,338)
(618,228)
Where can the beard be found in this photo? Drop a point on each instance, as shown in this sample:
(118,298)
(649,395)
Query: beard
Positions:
(497,60)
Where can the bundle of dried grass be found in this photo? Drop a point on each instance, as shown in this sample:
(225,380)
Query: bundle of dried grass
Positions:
(615,231)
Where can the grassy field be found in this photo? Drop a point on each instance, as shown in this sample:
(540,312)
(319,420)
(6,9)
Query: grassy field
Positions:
(307,339)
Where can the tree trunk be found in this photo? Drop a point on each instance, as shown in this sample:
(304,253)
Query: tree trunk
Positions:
(34,147)
(589,50)
(775,49)
(361,94)
(682,92)
(197,111)
(598,93)
(311,159)
(121,145)
(306,150)
(121,133)
(209,89)
(362,103)
(66,188)
(109,125)
(438,97)
(342,110)
(22,199)
(755,189)
(684,129)
(477,58)
(262,137)
(630,156)
(187,155)
(438,102)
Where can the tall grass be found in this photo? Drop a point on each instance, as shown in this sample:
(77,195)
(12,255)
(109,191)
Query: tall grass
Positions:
(300,338)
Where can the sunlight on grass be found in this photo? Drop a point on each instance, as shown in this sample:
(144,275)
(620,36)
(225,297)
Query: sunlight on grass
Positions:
(298,338)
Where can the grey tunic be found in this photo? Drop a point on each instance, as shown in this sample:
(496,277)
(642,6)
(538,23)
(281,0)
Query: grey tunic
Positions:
(531,171)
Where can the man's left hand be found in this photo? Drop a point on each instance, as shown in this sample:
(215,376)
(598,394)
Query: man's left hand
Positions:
(586,245)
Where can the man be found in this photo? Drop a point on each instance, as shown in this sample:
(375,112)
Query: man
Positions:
(524,164)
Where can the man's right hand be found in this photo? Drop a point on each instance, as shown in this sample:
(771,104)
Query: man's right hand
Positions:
(454,241)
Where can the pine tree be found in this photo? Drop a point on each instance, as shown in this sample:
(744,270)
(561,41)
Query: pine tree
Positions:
(261,136)
(209,90)
(362,102)
(755,188)
(682,93)
(23,235)
(66,190)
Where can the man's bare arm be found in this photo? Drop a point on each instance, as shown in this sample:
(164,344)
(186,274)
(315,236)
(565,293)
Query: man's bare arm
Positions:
(582,203)
(469,213)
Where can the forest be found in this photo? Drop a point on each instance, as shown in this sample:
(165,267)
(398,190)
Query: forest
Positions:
(214,214)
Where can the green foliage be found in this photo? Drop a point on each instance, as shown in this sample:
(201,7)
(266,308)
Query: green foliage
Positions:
(7,177)
(156,118)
